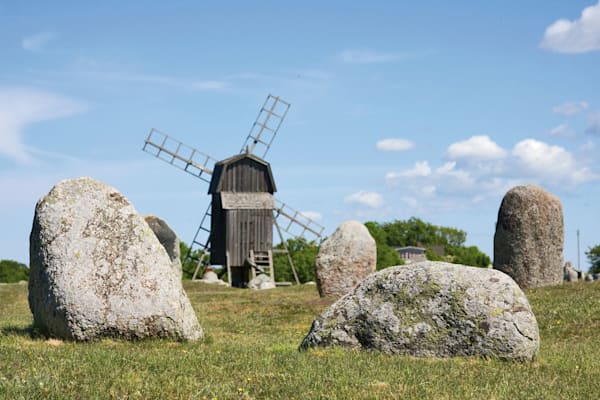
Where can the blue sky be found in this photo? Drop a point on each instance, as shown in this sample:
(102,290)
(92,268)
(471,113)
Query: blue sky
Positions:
(432,110)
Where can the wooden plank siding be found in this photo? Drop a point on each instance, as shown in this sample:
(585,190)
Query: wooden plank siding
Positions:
(245,175)
(242,209)
(248,230)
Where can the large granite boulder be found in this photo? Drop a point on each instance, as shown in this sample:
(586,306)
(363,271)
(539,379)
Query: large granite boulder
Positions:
(528,242)
(98,270)
(432,309)
(345,259)
(168,239)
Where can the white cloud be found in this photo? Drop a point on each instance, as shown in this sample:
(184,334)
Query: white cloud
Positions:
(550,164)
(593,123)
(20,108)
(562,130)
(369,199)
(38,41)
(314,215)
(579,36)
(394,144)
(476,148)
(570,108)
(420,169)
(364,56)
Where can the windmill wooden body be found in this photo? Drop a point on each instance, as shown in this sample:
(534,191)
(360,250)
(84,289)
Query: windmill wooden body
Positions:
(236,230)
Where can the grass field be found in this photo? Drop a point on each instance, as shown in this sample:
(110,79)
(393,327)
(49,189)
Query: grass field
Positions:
(250,352)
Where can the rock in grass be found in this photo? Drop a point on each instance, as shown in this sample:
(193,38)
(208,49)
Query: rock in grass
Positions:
(432,309)
(528,242)
(345,259)
(168,239)
(98,270)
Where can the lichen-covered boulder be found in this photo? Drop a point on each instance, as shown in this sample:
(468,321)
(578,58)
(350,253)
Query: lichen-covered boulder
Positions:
(98,270)
(528,242)
(432,309)
(345,259)
(168,239)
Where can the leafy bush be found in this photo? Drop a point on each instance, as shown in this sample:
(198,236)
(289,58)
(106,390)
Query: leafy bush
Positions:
(303,254)
(593,255)
(13,271)
(188,265)
(415,232)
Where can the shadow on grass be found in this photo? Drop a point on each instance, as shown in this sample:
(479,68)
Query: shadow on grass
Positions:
(29,332)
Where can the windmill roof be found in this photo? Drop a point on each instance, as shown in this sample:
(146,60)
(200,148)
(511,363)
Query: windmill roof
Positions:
(223,164)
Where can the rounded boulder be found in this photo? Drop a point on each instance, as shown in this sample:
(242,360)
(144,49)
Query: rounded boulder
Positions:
(432,309)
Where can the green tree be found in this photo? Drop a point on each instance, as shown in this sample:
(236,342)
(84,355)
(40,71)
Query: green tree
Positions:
(13,271)
(386,255)
(416,232)
(593,256)
(303,254)
(188,264)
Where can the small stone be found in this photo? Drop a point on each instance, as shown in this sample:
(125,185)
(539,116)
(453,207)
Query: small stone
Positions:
(345,259)
(261,282)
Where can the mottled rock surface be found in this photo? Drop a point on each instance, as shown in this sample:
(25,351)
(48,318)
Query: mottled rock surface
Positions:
(98,270)
(528,242)
(261,282)
(211,277)
(432,309)
(168,239)
(345,259)
(569,273)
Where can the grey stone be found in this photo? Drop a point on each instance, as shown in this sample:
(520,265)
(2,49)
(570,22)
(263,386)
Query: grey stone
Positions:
(168,239)
(345,259)
(98,270)
(570,274)
(211,277)
(589,278)
(261,282)
(528,242)
(432,309)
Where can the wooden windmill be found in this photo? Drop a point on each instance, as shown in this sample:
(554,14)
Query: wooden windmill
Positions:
(237,227)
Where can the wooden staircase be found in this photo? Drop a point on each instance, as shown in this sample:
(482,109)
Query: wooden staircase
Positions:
(261,262)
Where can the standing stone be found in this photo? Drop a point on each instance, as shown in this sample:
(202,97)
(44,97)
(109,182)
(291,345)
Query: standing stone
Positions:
(345,259)
(528,243)
(570,274)
(432,309)
(98,270)
(168,239)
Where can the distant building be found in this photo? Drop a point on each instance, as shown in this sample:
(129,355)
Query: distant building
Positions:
(411,254)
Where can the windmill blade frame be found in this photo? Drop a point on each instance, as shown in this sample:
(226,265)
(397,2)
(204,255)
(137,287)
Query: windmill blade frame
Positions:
(267,124)
(179,154)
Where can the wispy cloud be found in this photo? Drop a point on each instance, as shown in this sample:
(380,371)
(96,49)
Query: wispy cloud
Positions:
(562,130)
(38,41)
(579,36)
(314,215)
(21,107)
(570,108)
(394,144)
(369,199)
(365,56)
(593,126)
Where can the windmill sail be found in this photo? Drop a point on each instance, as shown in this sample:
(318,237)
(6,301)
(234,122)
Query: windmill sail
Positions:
(180,155)
(265,127)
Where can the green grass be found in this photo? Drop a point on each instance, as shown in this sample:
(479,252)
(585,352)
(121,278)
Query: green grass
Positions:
(250,352)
